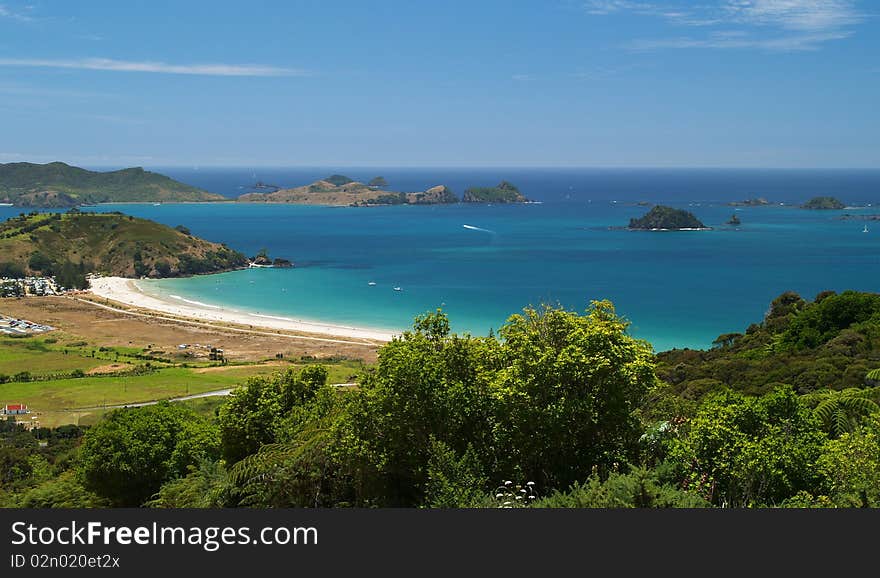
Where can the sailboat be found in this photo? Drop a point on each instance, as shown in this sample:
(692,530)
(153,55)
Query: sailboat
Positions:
(865,230)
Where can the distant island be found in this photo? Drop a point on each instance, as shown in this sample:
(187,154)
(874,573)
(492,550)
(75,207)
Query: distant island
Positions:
(734,220)
(73,244)
(823,203)
(662,218)
(504,193)
(340,190)
(59,185)
(756,202)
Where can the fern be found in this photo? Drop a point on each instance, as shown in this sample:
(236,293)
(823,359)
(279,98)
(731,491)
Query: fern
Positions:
(842,411)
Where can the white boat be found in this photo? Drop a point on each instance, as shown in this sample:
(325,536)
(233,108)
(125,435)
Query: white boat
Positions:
(371,283)
(6,204)
(156,204)
(398,289)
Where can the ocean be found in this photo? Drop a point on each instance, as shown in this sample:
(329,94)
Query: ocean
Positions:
(481,264)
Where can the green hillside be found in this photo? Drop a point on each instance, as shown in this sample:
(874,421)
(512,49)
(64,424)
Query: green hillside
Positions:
(73,244)
(61,185)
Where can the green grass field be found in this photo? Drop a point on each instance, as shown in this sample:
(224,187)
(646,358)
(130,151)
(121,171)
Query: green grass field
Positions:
(37,358)
(81,400)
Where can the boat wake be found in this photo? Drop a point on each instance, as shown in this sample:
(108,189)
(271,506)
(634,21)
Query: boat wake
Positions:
(472,228)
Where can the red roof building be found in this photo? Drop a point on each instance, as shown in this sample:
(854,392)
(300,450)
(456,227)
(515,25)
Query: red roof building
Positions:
(15,409)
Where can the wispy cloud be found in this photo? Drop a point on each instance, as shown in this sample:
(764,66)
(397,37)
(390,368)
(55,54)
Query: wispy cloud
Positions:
(7,12)
(781,25)
(812,15)
(602,7)
(20,89)
(154,67)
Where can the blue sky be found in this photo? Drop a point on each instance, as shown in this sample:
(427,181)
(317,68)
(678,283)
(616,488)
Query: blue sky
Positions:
(739,83)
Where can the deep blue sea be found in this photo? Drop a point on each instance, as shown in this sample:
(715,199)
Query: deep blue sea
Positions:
(679,289)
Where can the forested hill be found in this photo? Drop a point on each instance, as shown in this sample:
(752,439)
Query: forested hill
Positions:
(108,243)
(61,185)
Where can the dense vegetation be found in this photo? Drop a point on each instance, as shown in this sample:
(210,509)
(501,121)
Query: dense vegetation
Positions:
(69,245)
(662,217)
(557,410)
(823,203)
(503,193)
(60,185)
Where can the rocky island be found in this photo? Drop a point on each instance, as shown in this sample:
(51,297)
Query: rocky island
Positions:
(504,193)
(662,218)
(262,259)
(756,202)
(823,204)
(59,185)
(734,220)
(74,244)
(340,190)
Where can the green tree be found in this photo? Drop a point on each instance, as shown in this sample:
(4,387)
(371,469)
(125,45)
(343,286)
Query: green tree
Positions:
(567,393)
(129,454)
(742,451)
(251,414)
(429,386)
(850,465)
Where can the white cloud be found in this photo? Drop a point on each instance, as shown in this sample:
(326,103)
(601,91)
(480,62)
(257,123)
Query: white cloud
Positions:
(602,7)
(6,12)
(154,67)
(790,43)
(809,15)
(782,25)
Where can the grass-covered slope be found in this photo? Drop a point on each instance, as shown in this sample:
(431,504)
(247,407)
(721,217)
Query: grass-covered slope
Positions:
(108,243)
(61,185)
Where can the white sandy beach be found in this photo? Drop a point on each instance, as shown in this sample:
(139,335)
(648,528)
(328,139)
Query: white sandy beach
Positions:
(127,291)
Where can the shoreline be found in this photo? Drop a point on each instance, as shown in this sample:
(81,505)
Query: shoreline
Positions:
(126,291)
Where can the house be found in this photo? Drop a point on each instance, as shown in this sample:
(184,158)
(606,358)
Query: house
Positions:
(15,409)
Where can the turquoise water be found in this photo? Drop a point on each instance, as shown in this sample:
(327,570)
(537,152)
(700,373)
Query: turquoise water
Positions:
(679,289)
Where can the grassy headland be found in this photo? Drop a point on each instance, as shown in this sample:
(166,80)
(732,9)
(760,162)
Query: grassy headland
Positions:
(73,244)
(61,185)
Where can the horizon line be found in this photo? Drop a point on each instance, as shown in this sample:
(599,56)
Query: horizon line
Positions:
(243,166)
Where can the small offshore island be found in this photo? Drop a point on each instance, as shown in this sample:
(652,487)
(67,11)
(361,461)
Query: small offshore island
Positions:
(662,218)
(340,190)
(823,204)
